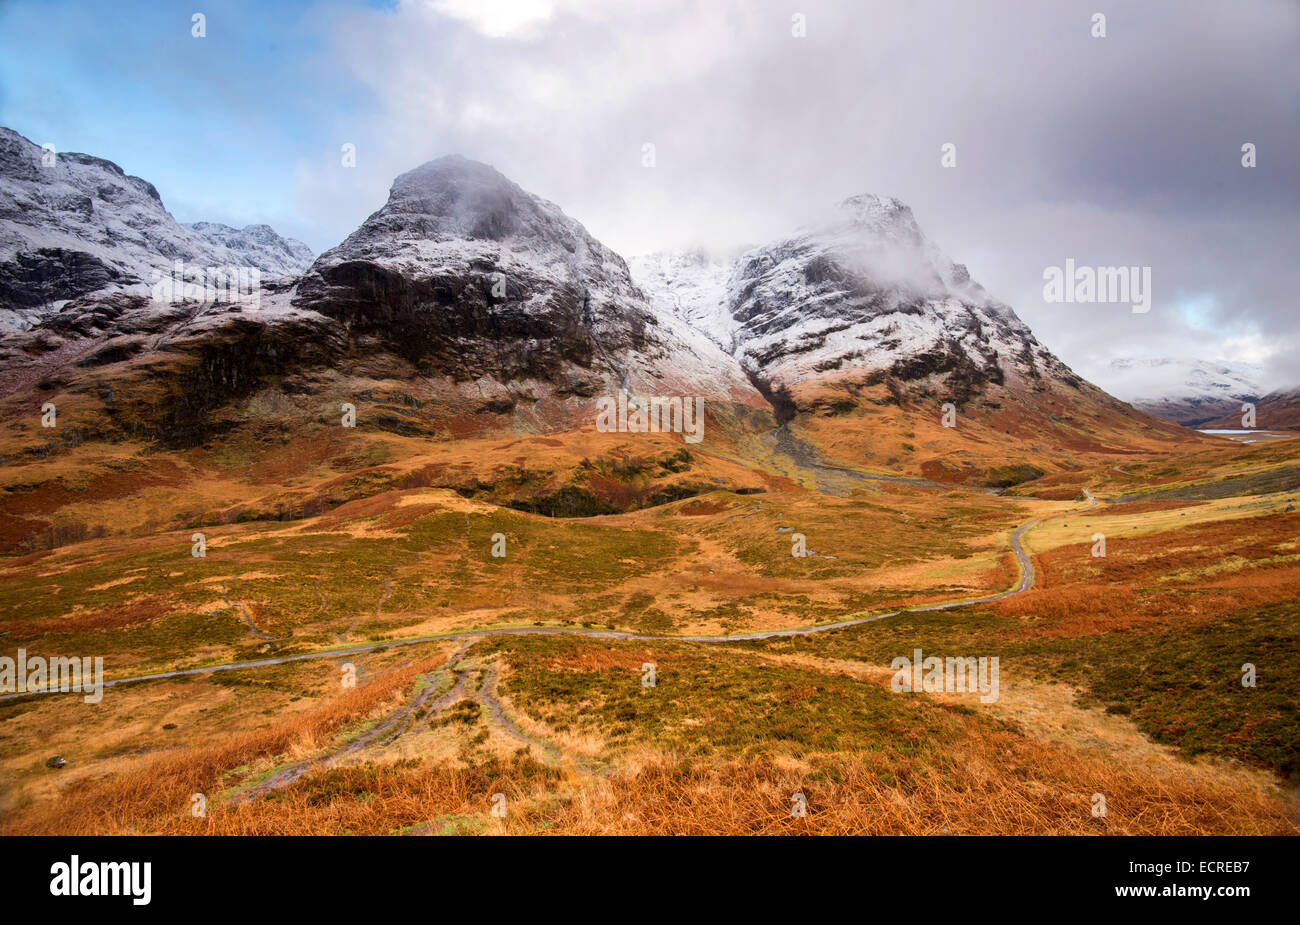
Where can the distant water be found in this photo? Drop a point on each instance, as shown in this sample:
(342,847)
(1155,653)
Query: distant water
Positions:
(1241,436)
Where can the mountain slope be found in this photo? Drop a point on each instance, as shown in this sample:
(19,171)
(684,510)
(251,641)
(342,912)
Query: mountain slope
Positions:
(1187,392)
(860,331)
(81,225)
(1278,410)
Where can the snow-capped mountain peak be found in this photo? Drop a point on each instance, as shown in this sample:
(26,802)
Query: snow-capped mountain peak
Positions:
(861,294)
(74,224)
(470,277)
(260,246)
(1183,390)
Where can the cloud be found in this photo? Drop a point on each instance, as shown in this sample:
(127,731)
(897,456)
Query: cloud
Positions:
(497,17)
(1122,150)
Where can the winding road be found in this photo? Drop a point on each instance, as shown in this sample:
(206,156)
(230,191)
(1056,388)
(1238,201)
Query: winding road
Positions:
(1025,582)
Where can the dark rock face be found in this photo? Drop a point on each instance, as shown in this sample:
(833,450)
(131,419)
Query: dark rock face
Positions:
(72,224)
(449,325)
(34,279)
(115,351)
(465,275)
(165,374)
(230,363)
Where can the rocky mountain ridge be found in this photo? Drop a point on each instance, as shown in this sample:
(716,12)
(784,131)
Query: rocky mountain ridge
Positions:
(465,303)
(863,296)
(72,225)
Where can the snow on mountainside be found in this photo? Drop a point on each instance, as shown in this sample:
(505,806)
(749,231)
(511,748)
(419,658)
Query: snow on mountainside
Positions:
(81,225)
(259,246)
(469,277)
(688,293)
(1188,392)
(863,293)
(690,287)
(866,292)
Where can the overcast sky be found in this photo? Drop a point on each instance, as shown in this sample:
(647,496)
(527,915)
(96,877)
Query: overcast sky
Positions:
(1122,150)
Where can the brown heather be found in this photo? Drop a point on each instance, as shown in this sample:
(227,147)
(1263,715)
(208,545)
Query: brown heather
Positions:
(148,799)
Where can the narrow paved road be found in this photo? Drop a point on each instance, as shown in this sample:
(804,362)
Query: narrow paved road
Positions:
(1023,559)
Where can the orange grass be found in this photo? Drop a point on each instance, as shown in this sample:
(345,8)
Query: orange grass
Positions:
(990,789)
(1167,578)
(998,784)
(143,800)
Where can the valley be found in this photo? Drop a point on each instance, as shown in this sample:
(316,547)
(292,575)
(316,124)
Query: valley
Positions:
(379,554)
(545,701)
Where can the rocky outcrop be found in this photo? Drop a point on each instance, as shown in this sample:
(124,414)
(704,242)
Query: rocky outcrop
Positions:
(862,297)
(32,279)
(72,225)
(468,277)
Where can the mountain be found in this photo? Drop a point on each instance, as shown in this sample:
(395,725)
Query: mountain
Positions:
(859,330)
(75,225)
(259,246)
(472,280)
(859,299)
(866,296)
(466,305)
(1278,410)
(1185,391)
